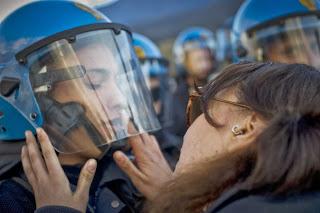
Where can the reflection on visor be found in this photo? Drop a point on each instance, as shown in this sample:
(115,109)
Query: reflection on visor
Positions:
(48,77)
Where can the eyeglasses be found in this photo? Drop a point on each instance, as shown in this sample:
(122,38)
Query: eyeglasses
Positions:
(194,108)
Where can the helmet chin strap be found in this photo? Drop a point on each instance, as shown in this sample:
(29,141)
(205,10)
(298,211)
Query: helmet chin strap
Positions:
(63,118)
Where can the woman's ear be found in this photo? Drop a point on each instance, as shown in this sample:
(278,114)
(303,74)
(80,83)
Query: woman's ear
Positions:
(246,131)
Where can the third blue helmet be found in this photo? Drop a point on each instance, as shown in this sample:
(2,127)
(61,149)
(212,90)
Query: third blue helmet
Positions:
(284,31)
(152,62)
(192,38)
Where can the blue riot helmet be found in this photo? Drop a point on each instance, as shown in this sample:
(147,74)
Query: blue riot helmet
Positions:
(284,31)
(67,68)
(151,60)
(155,68)
(194,53)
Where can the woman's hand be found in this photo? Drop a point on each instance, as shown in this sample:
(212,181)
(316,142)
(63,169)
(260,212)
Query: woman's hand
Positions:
(151,170)
(46,176)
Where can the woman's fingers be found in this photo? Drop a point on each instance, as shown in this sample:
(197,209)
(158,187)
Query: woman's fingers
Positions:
(53,188)
(136,142)
(36,160)
(151,171)
(27,168)
(128,167)
(49,154)
(152,142)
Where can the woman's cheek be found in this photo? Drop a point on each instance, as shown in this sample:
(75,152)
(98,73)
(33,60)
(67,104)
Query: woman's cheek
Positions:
(200,142)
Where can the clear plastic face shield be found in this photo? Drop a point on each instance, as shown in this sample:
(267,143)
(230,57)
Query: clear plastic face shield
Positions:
(289,40)
(91,91)
(156,75)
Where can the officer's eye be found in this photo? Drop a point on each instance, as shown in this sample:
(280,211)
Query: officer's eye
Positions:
(97,77)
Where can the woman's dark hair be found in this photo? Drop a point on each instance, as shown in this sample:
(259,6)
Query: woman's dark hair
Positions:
(284,159)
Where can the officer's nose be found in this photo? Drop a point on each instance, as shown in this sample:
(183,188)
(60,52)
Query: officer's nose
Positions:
(113,99)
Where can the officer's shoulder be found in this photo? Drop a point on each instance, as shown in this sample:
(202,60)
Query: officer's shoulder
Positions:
(15,198)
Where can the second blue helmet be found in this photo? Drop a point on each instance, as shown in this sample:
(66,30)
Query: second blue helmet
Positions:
(152,62)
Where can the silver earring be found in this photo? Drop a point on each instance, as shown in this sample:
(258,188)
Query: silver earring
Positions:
(236,130)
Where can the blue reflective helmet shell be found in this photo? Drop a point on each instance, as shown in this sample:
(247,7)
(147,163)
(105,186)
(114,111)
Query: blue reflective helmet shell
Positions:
(256,12)
(150,50)
(42,19)
(19,30)
(147,50)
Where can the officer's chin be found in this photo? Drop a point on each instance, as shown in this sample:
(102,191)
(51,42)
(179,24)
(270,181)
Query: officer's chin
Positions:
(81,157)
(109,149)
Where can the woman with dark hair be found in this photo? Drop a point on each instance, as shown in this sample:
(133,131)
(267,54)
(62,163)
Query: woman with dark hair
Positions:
(276,170)
(255,147)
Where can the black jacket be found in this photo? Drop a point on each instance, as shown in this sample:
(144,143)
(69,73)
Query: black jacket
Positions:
(180,102)
(241,201)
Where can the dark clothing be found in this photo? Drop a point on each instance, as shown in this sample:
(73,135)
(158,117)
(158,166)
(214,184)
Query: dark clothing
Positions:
(180,102)
(170,146)
(15,198)
(111,191)
(56,209)
(241,201)
(170,143)
(9,157)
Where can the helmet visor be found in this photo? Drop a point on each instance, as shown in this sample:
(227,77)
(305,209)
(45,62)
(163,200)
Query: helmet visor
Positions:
(91,91)
(295,40)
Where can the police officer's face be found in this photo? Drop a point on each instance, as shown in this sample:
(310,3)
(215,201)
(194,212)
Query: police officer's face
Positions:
(281,50)
(199,63)
(98,92)
(293,48)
